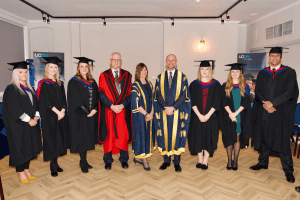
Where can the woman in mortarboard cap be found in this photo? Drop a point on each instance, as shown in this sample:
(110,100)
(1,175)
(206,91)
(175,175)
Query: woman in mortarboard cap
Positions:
(20,116)
(235,121)
(82,108)
(204,127)
(53,104)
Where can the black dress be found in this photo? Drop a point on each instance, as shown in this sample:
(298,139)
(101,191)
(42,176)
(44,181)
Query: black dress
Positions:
(204,135)
(24,140)
(83,129)
(228,128)
(56,136)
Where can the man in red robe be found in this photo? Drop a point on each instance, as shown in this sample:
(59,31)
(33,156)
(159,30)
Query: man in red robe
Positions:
(115,130)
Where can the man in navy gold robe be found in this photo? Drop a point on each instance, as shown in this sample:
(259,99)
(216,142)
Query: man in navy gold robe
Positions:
(172,109)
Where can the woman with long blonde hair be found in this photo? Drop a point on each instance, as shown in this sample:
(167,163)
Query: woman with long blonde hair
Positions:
(204,126)
(53,105)
(82,108)
(20,116)
(235,118)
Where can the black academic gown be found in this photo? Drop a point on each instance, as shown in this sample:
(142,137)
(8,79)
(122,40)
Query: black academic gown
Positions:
(83,129)
(56,136)
(24,141)
(275,128)
(204,135)
(228,128)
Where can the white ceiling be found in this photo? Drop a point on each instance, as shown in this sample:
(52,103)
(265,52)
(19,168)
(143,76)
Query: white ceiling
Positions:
(174,8)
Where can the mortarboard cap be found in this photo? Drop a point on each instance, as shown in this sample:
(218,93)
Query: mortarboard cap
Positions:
(206,63)
(19,65)
(236,66)
(84,60)
(276,49)
(54,60)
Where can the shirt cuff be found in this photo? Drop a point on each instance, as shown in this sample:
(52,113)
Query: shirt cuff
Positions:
(37,114)
(25,117)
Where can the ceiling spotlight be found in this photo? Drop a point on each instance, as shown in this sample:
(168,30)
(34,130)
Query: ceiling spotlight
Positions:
(104,22)
(197,1)
(172,23)
(245,0)
(228,18)
(48,20)
(222,21)
(44,17)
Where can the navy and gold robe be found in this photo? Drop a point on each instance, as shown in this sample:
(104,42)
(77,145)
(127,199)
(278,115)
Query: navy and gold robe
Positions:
(142,144)
(171,131)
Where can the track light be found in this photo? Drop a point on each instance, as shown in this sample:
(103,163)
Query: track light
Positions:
(44,17)
(245,0)
(228,18)
(48,20)
(222,21)
(104,22)
(172,23)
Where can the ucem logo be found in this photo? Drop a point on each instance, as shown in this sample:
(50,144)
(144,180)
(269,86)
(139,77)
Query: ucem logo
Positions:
(244,56)
(40,55)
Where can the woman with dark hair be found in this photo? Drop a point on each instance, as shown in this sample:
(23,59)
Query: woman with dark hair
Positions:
(20,116)
(235,119)
(82,108)
(53,105)
(142,115)
(204,126)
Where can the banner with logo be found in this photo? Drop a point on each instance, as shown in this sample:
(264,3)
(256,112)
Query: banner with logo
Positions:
(39,65)
(254,62)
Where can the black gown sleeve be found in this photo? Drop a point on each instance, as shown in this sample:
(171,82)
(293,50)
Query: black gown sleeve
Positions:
(217,97)
(193,94)
(259,97)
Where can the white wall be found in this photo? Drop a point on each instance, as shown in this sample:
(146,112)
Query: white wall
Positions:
(242,38)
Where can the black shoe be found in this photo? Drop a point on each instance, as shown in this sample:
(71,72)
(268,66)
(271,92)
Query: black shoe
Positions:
(147,169)
(89,166)
(107,166)
(229,168)
(199,165)
(204,167)
(164,166)
(290,177)
(258,167)
(60,169)
(124,165)
(297,189)
(177,168)
(137,161)
(84,168)
(54,174)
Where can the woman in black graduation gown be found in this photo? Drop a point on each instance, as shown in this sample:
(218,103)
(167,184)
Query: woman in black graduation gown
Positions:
(204,127)
(82,107)
(20,116)
(235,117)
(52,104)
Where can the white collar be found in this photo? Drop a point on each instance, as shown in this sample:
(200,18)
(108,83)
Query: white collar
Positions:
(277,67)
(113,71)
(172,72)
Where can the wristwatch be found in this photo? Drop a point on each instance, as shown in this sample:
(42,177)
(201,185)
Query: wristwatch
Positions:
(146,114)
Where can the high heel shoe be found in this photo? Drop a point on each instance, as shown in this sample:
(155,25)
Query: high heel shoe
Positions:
(137,161)
(24,181)
(31,177)
(147,169)
(229,168)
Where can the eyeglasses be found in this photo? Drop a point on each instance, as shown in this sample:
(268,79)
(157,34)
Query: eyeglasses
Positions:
(116,60)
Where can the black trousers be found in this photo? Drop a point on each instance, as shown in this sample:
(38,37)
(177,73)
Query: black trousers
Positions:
(167,159)
(22,167)
(54,165)
(123,157)
(83,161)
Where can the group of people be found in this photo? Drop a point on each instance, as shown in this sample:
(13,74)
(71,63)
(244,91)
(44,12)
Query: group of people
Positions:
(119,112)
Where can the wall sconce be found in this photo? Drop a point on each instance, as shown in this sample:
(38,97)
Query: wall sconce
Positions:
(201,44)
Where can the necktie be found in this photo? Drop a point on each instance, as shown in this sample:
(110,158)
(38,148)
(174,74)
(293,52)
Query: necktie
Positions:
(273,74)
(170,80)
(117,83)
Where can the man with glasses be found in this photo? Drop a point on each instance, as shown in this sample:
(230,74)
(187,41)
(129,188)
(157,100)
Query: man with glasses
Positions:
(115,115)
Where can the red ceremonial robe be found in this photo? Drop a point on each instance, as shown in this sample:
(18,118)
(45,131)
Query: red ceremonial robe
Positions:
(115,130)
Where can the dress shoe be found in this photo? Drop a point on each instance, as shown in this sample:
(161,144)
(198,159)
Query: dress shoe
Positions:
(54,174)
(297,189)
(164,166)
(204,167)
(60,169)
(89,166)
(107,166)
(84,169)
(24,181)
(199,165)
(177,168)
(258,167)
(147,168)
(124,165)
(290,177)
(137,161)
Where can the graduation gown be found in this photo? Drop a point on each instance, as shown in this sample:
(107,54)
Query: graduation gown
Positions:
(83,129)
(114,130)
(56,136)
(24,140)
(204,135)
(275,128)
(228,128)
(171,131)
(143,140)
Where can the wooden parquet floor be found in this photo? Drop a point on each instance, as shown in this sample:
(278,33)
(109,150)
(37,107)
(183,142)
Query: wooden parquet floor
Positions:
(136,183)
